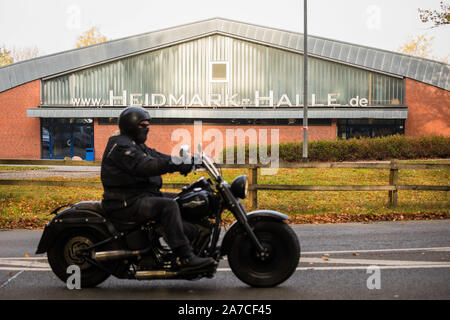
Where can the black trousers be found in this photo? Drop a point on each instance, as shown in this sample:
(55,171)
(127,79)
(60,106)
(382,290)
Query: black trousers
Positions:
(165,211)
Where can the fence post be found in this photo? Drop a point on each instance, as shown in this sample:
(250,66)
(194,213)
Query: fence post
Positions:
(253,180)
(393,181)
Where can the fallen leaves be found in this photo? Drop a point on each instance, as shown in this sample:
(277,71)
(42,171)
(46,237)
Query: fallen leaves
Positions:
(365,217)
(39,222)
(23,223)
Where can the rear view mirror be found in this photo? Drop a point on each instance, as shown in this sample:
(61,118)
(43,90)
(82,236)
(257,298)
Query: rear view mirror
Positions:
(185,151)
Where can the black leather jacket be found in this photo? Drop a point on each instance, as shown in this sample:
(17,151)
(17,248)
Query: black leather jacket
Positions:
(130,170)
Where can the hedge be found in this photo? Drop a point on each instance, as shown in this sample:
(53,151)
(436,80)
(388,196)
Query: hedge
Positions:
(381,148)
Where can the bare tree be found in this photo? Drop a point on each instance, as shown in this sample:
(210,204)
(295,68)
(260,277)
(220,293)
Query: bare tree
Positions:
(438,17)
(24,53)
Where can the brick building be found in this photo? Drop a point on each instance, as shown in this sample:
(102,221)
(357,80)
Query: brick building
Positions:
(223,75)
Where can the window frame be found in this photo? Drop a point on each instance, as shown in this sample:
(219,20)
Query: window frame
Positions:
(227,78)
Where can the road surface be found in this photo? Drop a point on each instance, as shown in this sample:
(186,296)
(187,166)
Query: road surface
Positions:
(383,260)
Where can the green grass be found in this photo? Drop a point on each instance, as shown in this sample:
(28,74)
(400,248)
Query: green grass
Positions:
(22,206)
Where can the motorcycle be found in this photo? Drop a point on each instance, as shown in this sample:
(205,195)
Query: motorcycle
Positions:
(261,248)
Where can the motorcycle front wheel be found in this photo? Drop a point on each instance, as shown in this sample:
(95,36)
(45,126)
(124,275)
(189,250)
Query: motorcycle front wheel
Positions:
(279,262)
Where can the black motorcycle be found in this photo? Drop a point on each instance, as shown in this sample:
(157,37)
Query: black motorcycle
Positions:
(262,250)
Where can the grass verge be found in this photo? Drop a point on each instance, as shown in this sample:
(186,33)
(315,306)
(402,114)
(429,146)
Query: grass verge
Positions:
(26,207)
(21,168)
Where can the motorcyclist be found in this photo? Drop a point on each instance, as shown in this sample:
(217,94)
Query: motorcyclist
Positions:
(131,177)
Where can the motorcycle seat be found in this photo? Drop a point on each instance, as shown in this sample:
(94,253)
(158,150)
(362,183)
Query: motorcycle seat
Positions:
(95,206)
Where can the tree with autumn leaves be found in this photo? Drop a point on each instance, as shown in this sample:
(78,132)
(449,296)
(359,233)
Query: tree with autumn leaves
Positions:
(421,45)
(90,37)
(8,56)
(5,56)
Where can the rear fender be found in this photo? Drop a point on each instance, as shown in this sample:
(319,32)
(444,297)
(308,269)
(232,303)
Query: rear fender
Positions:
(72,219)
(252,217)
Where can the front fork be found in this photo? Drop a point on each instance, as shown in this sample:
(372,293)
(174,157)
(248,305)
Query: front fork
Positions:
(238,210)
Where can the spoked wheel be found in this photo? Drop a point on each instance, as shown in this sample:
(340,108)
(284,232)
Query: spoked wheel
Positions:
(278,262)
(67,252)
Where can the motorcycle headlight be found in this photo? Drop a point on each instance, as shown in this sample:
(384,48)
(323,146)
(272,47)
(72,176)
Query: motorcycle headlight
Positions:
(239,187)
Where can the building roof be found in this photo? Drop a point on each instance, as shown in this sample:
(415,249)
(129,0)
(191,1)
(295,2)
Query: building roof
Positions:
(420,69)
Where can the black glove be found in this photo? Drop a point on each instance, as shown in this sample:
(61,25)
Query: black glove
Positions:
(185,168)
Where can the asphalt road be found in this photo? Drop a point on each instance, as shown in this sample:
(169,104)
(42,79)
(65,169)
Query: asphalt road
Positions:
(411,259)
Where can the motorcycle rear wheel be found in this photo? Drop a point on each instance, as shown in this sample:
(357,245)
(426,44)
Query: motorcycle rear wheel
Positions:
(64,254)
(283,249)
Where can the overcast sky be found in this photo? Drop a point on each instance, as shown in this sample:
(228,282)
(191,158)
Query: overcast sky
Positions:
(53,25)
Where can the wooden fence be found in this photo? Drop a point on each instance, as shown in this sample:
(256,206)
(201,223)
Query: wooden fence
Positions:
(253,170)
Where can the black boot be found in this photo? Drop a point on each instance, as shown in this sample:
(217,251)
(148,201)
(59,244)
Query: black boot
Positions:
(187,260)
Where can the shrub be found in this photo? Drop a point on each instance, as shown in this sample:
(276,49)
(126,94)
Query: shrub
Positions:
(380,148)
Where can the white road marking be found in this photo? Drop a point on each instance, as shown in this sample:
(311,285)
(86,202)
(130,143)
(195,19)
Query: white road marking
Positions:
(22,258)
(371,262)
(24,269)
(11,279)
(357,268)
(365,267)
(439,249)
(297,269)
(23,263)
(40,263)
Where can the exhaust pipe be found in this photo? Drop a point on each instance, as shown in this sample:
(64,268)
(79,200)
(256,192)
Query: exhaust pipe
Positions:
(117,254)
(155,274)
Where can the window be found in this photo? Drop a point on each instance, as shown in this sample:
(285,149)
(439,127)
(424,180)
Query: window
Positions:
(218,71)
(66,137)
(357,128)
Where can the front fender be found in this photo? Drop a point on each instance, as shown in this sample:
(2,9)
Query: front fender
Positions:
(267,213)
(252,217)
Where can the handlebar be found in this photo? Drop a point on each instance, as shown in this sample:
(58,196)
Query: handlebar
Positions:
(203,161)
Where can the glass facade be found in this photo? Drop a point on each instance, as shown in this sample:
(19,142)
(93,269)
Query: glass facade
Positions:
(369,128)
(184,74)
(62,138)
(219,71)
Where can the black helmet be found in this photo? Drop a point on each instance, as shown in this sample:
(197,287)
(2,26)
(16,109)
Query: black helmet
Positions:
(129,120)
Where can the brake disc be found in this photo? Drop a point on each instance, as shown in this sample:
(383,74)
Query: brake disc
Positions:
(72,251)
